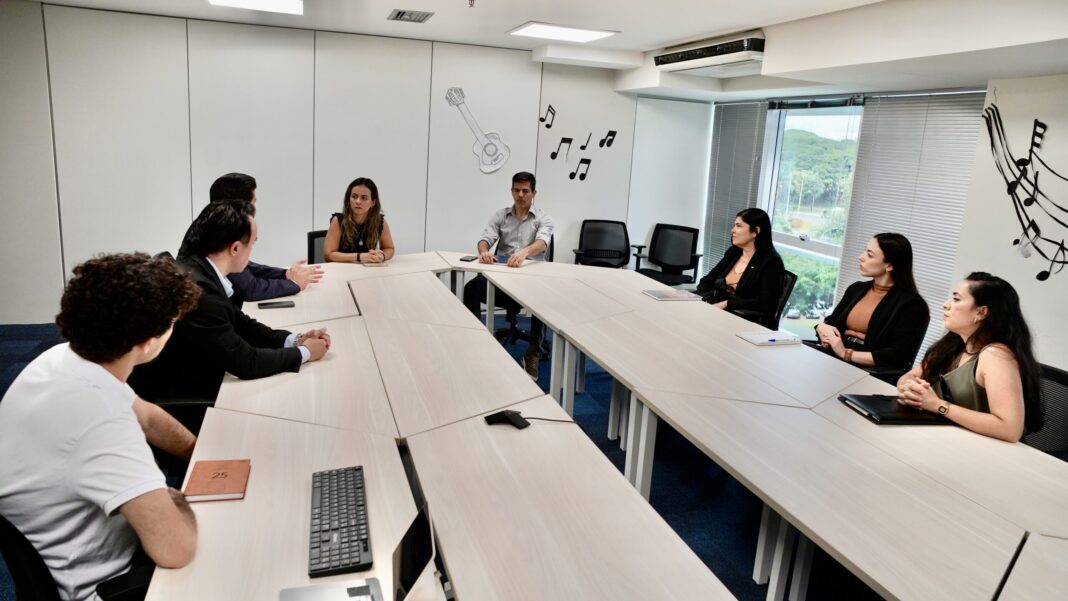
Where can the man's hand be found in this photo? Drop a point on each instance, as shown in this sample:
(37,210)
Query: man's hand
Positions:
(302,275)
(319,334)
(316,347)
(485,257)
(517,258)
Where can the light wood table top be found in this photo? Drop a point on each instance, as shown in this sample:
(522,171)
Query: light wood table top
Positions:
(252,548)
(638,351)
(399,264)
(540,513)
(560,302)
(625,286)
(329,298)
(1041,571)
(341,390)
(435,375)
(453,260)
(412,297)
(1024,485)
(904,533)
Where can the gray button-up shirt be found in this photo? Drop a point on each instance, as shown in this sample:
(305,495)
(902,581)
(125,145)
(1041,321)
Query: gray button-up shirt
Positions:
(515,234)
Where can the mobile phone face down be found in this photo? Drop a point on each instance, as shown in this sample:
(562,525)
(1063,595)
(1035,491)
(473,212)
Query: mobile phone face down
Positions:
(276,304)
(468,258)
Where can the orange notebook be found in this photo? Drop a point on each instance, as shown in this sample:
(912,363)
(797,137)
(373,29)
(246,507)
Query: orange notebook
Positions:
(218,480)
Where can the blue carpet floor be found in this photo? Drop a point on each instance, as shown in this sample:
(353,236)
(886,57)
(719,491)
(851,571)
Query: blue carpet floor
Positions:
(711,511)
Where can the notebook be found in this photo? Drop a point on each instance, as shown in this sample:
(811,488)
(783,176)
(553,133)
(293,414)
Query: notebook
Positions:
(218,480)
(767,338)
(672,295)
(884,409)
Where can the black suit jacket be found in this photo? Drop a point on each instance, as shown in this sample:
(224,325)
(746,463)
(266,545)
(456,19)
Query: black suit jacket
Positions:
(209,341)
(759,288)
(897,325)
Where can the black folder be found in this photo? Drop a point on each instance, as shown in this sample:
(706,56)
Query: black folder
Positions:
(884,409)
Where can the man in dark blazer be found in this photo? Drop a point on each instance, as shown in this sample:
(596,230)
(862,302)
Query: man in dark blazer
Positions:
(217,337)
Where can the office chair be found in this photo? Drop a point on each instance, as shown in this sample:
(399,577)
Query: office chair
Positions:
(512,333)
(1053,437)
(603,244)
(772,321)
(32,578)
(315,246)
(674,250)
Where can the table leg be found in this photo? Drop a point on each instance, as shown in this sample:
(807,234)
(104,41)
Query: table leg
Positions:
(556,366)
(643,478)
(613,411)
(769,528)
(780,566)
(580,379)
(568,398)
(454,282)
(624,419)
(490,290)
(802,568)
(634,422)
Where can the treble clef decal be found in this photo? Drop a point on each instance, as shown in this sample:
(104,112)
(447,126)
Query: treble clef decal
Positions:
(492,153)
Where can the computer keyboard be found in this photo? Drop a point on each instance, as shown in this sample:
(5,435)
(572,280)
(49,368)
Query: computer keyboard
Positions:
(340,539)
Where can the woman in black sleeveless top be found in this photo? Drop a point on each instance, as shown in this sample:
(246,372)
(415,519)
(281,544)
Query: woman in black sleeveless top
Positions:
(359,234)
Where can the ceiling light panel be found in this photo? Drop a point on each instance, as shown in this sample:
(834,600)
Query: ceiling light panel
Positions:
(545,31)
(289,7)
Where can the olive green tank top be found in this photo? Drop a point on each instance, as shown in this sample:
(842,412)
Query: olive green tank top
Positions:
(959,387)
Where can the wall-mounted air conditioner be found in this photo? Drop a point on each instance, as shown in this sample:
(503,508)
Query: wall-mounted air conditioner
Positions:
(731,56)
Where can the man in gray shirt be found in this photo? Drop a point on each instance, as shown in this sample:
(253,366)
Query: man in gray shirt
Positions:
(521,232)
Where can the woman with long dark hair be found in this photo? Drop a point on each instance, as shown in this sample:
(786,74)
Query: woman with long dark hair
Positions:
(749,277)
(982,374)
(359,233)
(879,322)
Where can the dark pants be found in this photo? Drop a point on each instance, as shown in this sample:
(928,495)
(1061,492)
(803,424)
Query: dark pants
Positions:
(475,295)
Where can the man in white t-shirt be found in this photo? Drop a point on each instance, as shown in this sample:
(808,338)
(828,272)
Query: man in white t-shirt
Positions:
(77,477)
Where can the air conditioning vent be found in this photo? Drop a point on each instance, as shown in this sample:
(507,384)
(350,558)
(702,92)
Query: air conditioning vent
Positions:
(731,57)
(409,16)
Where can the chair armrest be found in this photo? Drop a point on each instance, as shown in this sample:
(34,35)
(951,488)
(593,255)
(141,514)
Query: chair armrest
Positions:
(640,256)
(578,252)
(748,313)
(131,586)
(639,247)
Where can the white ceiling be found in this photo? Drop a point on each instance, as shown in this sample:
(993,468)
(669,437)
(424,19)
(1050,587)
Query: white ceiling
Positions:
(643,24)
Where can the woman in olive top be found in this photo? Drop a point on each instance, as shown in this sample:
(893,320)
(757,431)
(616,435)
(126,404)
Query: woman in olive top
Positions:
(750,275)
(359,234)
(982,373)
(879,322)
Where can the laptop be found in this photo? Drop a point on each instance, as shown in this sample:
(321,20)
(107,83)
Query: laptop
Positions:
(884,409)
(414,552)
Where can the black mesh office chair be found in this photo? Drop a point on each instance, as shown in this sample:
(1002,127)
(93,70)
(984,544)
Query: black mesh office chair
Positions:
(603,244)
(772,321)
(674,250)
(32,578)
(315,246)
(1053,437)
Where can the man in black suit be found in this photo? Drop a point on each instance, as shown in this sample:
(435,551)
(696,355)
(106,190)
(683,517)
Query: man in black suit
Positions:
(216,337)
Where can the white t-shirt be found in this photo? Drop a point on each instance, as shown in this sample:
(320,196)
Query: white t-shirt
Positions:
(71,453)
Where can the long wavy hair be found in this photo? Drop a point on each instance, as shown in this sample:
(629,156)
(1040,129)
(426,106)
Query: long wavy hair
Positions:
(1004,324)
(897,251)
(372,228)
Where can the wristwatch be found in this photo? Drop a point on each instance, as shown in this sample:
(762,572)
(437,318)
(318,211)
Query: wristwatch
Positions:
(358,258)
(943,408)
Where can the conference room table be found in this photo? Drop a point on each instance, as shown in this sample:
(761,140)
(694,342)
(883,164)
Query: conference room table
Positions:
(328,298)
(1041,571)
(411,297)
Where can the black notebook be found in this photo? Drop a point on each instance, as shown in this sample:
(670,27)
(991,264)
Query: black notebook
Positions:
(884,409)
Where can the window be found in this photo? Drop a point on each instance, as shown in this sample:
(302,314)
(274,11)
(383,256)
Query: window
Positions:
(810,154)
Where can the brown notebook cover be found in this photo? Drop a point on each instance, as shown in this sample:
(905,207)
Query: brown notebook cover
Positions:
(218,480)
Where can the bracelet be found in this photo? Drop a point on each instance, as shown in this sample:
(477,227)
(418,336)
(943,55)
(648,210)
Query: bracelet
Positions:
(848,355)
(358,258)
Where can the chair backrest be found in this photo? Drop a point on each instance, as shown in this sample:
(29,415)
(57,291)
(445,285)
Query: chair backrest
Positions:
(673,247)
(1053,436)
(32,578)
(604,243)
(789,278)
(315,246)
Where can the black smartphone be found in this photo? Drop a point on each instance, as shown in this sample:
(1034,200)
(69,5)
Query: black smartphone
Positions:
(468,258)
(276,305)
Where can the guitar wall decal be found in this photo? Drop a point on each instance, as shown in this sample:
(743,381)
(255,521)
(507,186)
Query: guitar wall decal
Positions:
(492,153)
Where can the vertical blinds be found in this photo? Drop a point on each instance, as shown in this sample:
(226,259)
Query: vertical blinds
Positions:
(734,179)
(914,164)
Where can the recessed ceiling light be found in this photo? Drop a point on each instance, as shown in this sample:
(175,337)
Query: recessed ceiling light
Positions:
(289,7)
(558,32)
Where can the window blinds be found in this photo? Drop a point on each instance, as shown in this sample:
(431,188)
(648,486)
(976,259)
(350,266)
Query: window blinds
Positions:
(914,165)
(734,179)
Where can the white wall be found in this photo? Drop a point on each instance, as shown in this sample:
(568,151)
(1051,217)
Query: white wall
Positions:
(29,229)
(990,225)
(371,122)
(586,107)
(251,111)
(669,178)
(121,119)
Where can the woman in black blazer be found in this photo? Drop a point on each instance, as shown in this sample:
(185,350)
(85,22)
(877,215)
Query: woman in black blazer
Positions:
(879,322)
(749,277)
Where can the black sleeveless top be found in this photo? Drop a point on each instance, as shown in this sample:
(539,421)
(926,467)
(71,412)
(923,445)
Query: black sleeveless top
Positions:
(358,245)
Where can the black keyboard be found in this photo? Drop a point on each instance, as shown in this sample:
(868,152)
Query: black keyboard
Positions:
(340,540)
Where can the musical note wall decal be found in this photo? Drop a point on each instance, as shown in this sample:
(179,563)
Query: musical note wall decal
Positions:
(587,143)
(556,152)
(582,163)
(608,139)
(550,114)
(1030,204)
